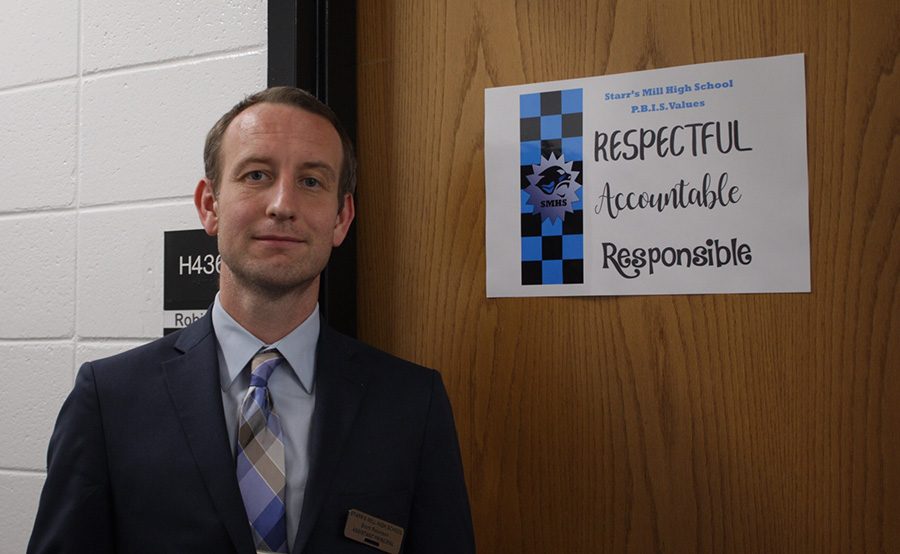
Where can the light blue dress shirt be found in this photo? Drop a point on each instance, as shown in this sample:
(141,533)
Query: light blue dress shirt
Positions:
(291,388)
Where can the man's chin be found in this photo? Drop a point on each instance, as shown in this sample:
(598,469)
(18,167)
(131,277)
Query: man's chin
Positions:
(274,283)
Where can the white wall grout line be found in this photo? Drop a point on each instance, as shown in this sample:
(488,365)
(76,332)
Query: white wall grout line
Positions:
(77,200)
(50,341)
(40,85)
(177,61)
(14,471)
(123,205)
(161,64)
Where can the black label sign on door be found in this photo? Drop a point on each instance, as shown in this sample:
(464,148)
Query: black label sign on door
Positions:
(191,264)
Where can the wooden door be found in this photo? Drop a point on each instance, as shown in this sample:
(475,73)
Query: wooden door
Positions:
(712,423)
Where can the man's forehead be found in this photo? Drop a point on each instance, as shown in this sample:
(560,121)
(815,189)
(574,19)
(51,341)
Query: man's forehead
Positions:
(253,126)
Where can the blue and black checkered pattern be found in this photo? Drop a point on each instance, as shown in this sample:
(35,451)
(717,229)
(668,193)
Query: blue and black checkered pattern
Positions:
(552,248)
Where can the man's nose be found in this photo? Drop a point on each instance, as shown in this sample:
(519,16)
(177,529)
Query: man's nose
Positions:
(282,199)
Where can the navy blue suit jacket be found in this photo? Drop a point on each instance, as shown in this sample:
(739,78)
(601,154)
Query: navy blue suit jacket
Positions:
(140,462)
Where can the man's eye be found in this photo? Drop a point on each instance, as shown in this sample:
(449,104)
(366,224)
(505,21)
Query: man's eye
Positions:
(256,176)
(310,182)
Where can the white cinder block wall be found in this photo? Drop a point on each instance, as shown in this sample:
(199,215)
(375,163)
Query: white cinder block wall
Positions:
(104,105)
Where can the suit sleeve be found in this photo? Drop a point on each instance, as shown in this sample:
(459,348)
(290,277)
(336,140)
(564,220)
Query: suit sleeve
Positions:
(441,520)
(75,512)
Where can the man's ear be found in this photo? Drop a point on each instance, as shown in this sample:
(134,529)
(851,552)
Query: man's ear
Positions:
(343,220)
(207,207)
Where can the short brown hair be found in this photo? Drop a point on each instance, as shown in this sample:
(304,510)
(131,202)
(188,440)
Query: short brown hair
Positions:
(289,96)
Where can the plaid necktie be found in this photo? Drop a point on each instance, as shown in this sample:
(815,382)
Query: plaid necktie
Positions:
(260,458)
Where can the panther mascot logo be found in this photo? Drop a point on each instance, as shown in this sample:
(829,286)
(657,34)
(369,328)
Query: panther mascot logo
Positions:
(552,188)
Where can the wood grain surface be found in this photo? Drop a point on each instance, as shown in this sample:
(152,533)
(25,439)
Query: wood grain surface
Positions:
(709,423)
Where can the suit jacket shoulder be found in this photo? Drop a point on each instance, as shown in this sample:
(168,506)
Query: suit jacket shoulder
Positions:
(140,461)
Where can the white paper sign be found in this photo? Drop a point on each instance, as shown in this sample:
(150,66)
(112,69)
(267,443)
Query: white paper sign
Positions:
(683,180)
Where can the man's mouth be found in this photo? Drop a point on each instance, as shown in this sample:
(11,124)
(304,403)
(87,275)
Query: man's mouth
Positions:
(277,238)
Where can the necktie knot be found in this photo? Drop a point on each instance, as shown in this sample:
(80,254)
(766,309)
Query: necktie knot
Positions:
(261,367)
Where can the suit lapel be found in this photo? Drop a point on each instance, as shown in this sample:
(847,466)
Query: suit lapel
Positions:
(193,384)
(340,388)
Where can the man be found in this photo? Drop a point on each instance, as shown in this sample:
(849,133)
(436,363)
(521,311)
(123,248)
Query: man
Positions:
(258,427)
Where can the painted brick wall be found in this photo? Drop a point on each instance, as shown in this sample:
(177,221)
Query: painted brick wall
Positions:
(104,105)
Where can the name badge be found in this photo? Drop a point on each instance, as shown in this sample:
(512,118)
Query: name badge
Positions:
(370,530)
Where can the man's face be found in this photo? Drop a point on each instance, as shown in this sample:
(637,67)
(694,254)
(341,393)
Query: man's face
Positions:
(276,213)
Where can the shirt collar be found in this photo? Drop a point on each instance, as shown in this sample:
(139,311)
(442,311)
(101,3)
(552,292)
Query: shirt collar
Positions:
(238,346)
